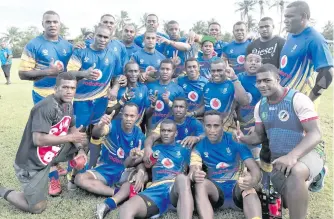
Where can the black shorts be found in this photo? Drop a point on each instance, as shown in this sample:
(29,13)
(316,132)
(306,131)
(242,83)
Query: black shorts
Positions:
(6,69)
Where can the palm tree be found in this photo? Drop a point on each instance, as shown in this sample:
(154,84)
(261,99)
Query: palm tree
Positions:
(63,30)
(280,6)
(200,27)
(262,3)
(251,24)
(121,21)
(142,21)
(245,7)
(12,36)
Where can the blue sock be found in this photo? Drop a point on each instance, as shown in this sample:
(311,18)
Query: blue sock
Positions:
(54,174)
(111,203)
(69,168)
(94,151)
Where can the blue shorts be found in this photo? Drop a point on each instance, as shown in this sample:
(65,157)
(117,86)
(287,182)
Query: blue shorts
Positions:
(36,97)
(107,174)
(89,111)
(231,199)
(159,195)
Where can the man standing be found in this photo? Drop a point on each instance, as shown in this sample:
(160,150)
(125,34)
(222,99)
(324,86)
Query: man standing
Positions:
(268,46)
(148,58)
(222,185)
(306,61)
(207,57)
(152,24)
(289,120)
(6,61)
(44,57)
(50,136)
(128,36)
(235,52)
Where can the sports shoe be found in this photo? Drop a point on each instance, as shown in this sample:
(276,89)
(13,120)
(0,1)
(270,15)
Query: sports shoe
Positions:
(101,210)
(61,170)
(71,186)
(54,187)
(319,182)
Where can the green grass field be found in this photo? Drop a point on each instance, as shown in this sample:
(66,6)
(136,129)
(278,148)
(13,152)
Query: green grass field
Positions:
(15,105)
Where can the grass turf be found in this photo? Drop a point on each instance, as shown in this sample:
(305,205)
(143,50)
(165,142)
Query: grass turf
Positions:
(15,105)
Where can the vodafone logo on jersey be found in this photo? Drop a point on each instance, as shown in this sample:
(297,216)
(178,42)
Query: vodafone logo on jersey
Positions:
(168,163)
(215,104)
(193,96)
(222,165)
(99,72)
(241,59)
(284,61)
(120,153)
(159,106)
(47,153)
(59,64)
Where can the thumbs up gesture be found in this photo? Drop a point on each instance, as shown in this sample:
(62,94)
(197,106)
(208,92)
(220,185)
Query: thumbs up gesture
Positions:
(78,137)
(106,119)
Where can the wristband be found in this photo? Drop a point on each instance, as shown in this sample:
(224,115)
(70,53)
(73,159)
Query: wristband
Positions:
(80,148)
(234,80)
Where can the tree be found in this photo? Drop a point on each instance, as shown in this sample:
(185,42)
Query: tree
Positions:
(121,21)
(142,21)
(165,26)
(244,7)
(212,20)
(227,37)
(328,30)
(63,32)
(200,27)
(280,6)
(12,36)
(251,24)
(262,3)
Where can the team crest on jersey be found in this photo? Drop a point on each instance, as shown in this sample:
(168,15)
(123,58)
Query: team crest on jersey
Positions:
(167,53)
(250,97)
(283,115)
(99,73)
(215,103)
(231,51)
(120,153)
(45,52)
(222,165)
(228,150)
(106,61)
(64,52)
(131,144)
(178,154)
(115,49)
(241,59)
(141,61)
(86,59)
(47,153)
(206,154)
(140,95)
(186,131)
(284,61)
(294,48)
(193,96)
(159,106)
(168,163)
(264,116)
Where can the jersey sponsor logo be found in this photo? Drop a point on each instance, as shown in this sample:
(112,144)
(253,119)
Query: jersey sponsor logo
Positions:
(222,165)
(241,59)
(98,71)
(250,97)
(193,96)
(215,104)
(159,106)
(284,61)
(120,153)
(168,163)
(45,52)
(283,115)
(47,153)
(59,64)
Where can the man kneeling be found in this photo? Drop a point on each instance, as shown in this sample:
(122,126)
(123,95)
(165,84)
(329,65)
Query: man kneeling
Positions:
(219,186)
(169,184)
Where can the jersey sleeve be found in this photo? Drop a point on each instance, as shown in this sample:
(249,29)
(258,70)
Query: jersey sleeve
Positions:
(75,63)
(138,41)
(28,58)
(124,56)
(280,45)
(320,53)
(118,69)
(195,158)
(198,127)
(304,108)
(156,130)
(257,113)
(243,151)
(42,119)
(9,52)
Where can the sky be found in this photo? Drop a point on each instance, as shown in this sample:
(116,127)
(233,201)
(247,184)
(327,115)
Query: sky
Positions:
(78,14)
